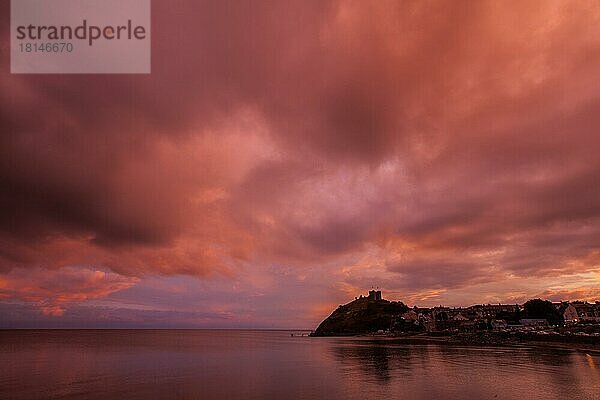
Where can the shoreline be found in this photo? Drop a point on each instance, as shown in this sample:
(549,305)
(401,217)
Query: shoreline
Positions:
(488,341)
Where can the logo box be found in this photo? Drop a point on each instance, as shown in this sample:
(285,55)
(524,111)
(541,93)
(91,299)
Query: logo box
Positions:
(80,36)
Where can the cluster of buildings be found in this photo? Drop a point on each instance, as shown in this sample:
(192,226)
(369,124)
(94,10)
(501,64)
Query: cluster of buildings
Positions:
(581,312)
(492,317)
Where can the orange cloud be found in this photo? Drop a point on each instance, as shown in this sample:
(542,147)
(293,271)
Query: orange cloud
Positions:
(52,290)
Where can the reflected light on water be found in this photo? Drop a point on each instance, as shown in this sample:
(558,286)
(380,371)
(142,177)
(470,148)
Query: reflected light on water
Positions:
(590,361)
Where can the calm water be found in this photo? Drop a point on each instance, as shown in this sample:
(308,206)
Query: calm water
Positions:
(272,365)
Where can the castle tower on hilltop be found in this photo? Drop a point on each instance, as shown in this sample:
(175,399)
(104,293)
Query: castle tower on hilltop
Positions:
(374,295)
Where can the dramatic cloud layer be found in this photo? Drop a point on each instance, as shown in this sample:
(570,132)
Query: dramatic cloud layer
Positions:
(283,157)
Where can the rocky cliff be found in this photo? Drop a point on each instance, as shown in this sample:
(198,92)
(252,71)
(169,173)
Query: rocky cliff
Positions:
(363,315)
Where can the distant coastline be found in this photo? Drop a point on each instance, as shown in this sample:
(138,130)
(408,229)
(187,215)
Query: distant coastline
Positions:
(537,322)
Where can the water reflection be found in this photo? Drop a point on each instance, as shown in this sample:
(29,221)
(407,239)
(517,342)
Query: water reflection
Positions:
(372,359)
(590,361)
(455,372)
(272,365)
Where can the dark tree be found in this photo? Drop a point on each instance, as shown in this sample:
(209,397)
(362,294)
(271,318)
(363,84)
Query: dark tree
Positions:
(512,317)
(538,308)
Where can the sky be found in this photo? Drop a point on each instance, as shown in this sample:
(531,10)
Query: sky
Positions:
(285,157)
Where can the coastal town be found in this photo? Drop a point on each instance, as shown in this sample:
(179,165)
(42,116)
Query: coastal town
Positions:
(501,317)
(534,319)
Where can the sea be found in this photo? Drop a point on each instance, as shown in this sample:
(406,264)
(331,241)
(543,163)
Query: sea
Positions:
(270,364)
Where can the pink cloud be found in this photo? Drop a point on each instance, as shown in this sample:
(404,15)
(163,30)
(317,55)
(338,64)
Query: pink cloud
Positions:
(53,290)
(430,149)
